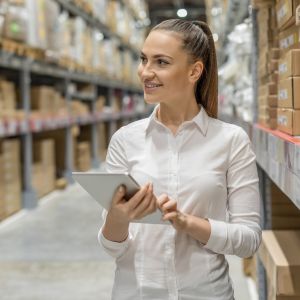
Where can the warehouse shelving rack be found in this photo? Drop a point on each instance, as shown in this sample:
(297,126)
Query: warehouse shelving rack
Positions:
(277,155)
(27,67)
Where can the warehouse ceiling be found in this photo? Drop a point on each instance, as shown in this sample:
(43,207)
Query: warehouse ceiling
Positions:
(160,10)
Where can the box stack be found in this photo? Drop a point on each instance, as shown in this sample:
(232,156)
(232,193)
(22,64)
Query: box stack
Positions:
(284,214)
(279,253)
(10,177)
(288,119)
(44,170)
(83,156)
(268,65)
(102,131)
(8,102)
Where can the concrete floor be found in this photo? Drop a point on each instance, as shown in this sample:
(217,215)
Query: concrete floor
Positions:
(52,252)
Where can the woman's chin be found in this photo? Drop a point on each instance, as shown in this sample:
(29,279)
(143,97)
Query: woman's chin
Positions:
(151,99)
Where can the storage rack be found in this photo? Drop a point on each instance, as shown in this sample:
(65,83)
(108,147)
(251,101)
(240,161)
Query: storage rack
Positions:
(277,154)
(26,68)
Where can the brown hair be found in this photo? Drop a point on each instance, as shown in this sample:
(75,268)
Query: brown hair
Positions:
(198,42)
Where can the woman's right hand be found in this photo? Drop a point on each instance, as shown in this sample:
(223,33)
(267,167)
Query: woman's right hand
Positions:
(138,206)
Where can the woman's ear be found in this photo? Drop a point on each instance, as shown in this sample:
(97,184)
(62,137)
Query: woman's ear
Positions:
(196,71)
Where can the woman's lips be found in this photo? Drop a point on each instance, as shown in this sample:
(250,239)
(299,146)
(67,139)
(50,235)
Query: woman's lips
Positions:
(151,87)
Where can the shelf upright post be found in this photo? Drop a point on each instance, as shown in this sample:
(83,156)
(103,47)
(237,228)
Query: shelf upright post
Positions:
(264,181)
(94,135)
(69,164)
(112,121)
(29,194)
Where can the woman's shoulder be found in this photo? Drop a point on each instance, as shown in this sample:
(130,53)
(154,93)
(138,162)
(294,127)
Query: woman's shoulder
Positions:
(227,129)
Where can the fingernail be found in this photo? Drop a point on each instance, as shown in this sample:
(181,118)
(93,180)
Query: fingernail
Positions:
(121,189)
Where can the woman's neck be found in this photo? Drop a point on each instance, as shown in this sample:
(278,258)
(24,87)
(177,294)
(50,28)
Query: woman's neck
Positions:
(174,116)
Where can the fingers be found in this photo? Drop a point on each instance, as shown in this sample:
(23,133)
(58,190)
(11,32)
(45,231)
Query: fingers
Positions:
(137,198)
(147,205)
(162,199)
(119,194)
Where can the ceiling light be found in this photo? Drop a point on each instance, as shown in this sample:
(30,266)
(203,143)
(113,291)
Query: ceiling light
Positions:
(181,13)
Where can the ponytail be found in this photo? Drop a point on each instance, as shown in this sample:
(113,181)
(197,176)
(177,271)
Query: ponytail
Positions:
(207,86)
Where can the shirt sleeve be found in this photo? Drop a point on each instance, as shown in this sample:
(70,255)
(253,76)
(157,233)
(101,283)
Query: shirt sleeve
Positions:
(241,235)
(116,161)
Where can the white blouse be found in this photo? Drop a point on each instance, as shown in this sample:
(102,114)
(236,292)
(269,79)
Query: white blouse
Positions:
(210,169)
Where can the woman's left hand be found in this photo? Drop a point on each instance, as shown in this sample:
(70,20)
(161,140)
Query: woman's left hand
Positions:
(170,212)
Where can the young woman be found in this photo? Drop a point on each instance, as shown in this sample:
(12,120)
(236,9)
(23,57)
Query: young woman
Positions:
(199,171)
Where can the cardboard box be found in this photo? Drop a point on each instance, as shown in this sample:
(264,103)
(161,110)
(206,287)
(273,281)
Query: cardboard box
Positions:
(279,253)
(289,93)
(9,96)
(41,98)
(273,101)
(289,39)
(288,120)
(44,152)
(289,64)
(285,12)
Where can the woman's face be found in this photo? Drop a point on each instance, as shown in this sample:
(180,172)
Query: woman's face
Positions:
(164,69)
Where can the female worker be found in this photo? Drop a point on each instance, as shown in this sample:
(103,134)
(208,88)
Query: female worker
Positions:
(202,171)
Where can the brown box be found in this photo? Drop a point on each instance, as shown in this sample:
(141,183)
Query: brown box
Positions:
(289,39)
(288,120)
(289,64)
(273,101)
(9,96)
(44,152)
(285,12)
(41,98)
(279,253)
(289,93)
(12,198)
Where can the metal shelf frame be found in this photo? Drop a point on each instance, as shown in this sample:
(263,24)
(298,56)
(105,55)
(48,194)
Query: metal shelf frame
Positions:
(25,69)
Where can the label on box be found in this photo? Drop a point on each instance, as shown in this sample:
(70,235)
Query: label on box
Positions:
(282,68)
(298,15)
(12,127)
(282,120)
(287,42)
(283,94)
(296,163)
(282,12)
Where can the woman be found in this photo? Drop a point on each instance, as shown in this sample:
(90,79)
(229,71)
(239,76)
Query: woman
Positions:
(202,171)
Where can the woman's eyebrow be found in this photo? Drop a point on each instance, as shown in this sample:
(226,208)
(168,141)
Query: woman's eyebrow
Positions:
(157,55)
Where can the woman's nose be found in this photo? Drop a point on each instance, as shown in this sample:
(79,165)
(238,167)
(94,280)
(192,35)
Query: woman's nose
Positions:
(147,72)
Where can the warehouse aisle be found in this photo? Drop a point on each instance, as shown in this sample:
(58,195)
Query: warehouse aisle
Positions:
(52,252)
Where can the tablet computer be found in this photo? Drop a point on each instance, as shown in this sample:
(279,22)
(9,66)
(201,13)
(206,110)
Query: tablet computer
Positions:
(102,186)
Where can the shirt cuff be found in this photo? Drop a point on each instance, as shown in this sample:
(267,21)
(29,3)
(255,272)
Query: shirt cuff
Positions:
(115,249)
(218,236)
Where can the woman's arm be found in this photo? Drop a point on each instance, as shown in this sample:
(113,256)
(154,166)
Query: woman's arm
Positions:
(241,235)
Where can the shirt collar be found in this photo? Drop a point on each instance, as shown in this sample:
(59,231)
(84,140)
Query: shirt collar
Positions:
(201,120)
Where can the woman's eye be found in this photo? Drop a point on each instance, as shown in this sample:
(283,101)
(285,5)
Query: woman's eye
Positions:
(162,62)
(143,59)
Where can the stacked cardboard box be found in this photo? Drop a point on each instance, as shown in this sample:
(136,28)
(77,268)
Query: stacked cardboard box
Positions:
(46,101)
(78,108)
(279,253)
(268,65)
(288,119)
(44,170)
(83,156)
(284,214)
(102,131)
(10,177)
